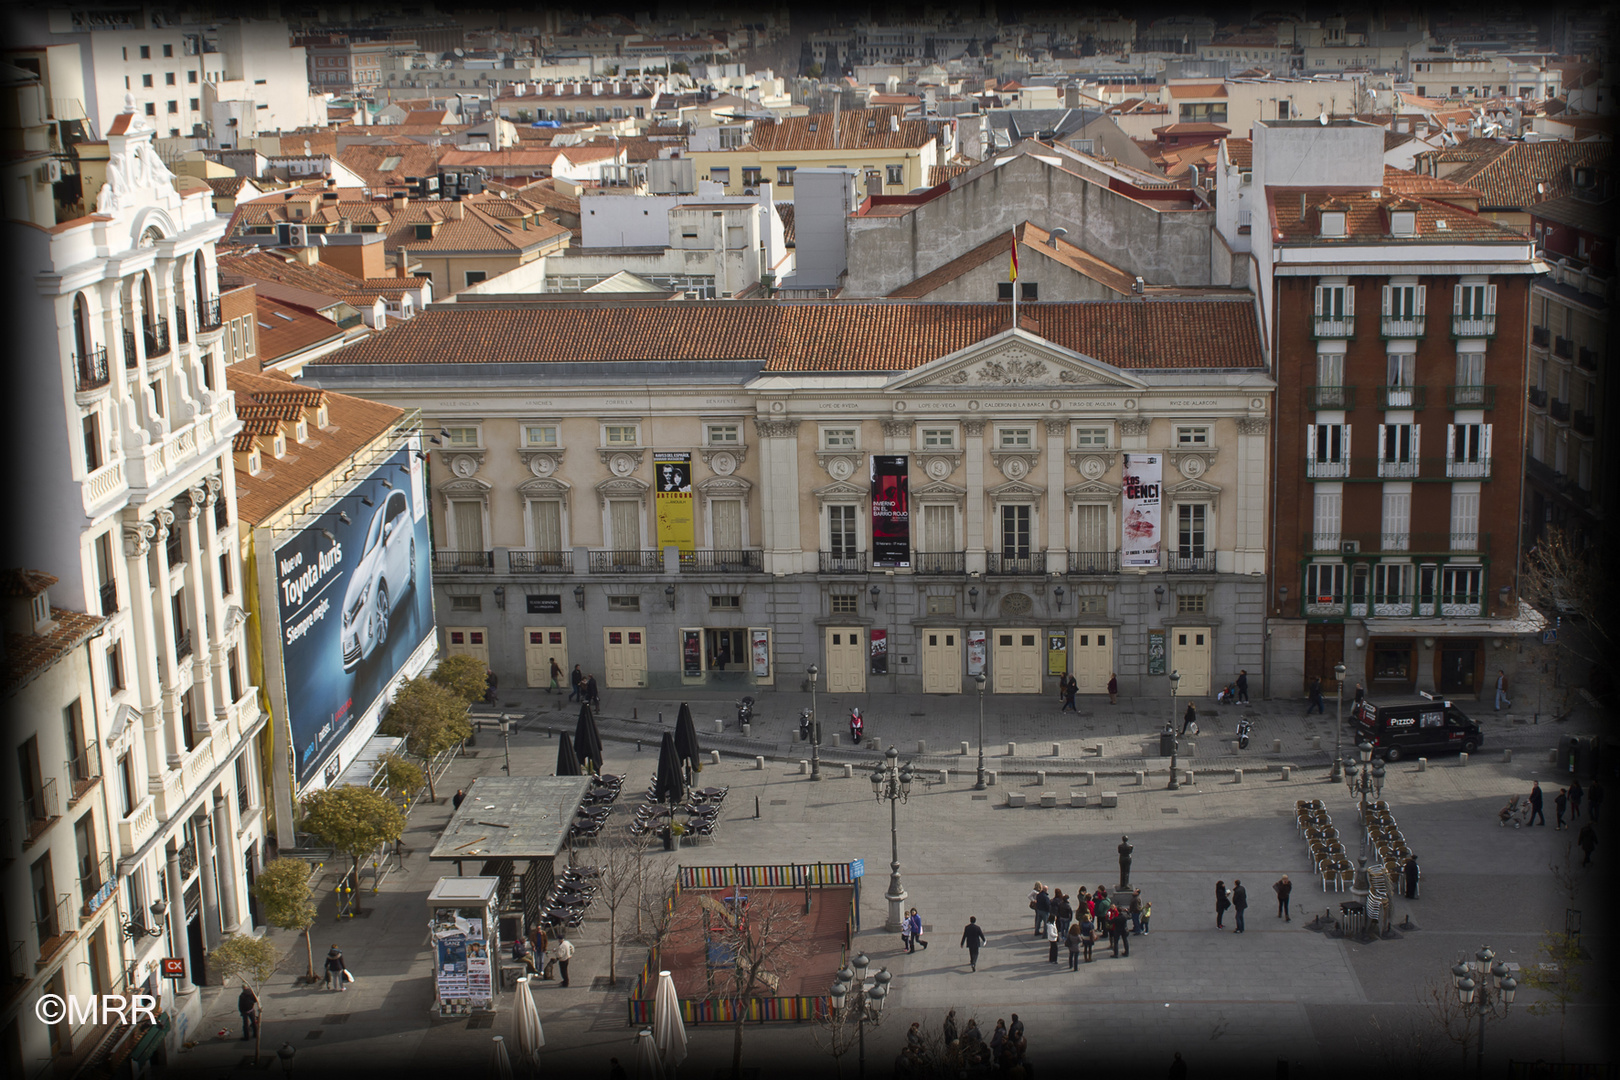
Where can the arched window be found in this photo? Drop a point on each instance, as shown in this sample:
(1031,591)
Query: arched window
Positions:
(81,325)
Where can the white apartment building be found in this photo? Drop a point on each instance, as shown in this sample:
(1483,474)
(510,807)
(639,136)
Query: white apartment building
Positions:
(122,413)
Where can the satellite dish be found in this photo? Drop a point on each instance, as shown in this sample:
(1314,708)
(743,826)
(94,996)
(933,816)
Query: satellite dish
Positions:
(306,146)
(1322,118)
(460,53)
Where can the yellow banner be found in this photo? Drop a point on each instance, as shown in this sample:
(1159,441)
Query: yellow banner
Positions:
(673,501)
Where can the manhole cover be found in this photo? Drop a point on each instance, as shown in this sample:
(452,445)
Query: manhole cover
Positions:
(980,798)
(1169,809)
(481,1021)
(313,1034)
(336,1018)
(779,802)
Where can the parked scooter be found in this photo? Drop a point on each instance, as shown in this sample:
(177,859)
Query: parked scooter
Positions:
(1243,733)
(856,726)
(745,711)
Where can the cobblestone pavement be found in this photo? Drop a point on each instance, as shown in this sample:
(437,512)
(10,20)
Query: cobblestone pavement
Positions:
(1281,992)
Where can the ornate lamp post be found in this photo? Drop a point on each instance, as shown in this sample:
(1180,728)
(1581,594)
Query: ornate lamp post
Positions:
(815,727)
(1370,781)
(1488,989)
(862,1002)
(1338,721)
(978,784)
(506,744)
(892,781)
(1175,744)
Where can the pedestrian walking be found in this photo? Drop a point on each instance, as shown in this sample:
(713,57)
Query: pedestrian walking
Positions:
(538,946)
(1052,939)
(915,923)
(973,941)
(563,953)
(1316,705)
(336,971)
(1117,932)
(1040,902)
(247,1003)
(950,1027)
(1071,687)
(1240,902)
(1189,719)
(576,680)
(591,694)
(1560,804)
(1587,839)
(1113,688)
(1501,690)
(1410,870)
(1147,915)
(1221,904)
(459,797)
(1136,911)
(1361,694)
(1576,794)
(1088,936)
(1535,804)
(1594,799)
(556,677)
(1243,686)
(1283,888)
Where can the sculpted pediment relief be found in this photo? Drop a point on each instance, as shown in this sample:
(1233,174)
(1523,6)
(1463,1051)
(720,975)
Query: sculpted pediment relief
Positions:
(1015,361)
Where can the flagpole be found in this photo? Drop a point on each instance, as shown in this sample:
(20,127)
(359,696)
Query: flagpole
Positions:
(1015,278)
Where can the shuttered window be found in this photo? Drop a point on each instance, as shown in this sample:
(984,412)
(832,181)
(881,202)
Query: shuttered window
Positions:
(624,517)
(545,520)
(939,527)
(726,517)
(469,519)
(1091,528)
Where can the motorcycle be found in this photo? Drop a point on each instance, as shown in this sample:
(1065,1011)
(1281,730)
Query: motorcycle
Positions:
(856,726)
(1243,733)
(745,711)
(804,725)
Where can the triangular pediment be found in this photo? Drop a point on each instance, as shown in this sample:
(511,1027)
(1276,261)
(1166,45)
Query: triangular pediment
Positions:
(841,490)
(1016,360)
(938,491)
(1091,490)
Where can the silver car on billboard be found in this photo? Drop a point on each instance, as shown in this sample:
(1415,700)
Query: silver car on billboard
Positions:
(385,573)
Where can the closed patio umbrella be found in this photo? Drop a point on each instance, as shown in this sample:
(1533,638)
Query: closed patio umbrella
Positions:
(530,1036)
(587,742)
(686,740)
(668,1031)
(669,786)
(500,1066)
(567,760)
(648,1067)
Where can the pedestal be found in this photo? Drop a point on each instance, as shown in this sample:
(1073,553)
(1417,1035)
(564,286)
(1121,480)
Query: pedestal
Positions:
(896,896)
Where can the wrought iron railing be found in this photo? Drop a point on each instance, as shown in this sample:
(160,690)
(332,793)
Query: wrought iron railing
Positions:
(938,562)
(1190,562)
(734,561)
(1332,397)
(1403,328)
(1093,562)
(157,337)
(83,771)
(188,858)
(1473,326)
(997,562)
(131,357)
(630,561)
(846,562)
(208,315)
(109,597)
(1401,397)
(1538,396)
(539,562)
(1564,347)
(40,809)
(464,562)
(1404,543)
(1558,409)
(182,643)
(91,369)
(1471,397)
(1539,336)
(182,328)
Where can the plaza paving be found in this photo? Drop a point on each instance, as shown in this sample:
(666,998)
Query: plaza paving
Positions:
(1229,1003)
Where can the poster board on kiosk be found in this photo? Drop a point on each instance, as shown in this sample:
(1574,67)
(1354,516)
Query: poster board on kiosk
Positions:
(463,925)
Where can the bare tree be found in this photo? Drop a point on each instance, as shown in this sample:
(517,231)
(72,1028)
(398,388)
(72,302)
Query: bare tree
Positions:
(1398,1050)
(1565,581)
(765,941)
(1451,1018)
(1558,976)
(619,858)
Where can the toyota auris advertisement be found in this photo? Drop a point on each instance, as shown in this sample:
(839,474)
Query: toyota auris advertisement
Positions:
(356,599)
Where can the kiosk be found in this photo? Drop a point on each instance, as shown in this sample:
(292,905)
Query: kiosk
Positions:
(466,943)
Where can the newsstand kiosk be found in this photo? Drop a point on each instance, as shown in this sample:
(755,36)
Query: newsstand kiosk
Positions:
(465,934)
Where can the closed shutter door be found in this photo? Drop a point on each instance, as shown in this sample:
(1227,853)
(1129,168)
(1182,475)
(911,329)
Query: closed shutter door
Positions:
(939,527)
(626,522)
(1092,531)
(546,517)
(727,516)
(469,515)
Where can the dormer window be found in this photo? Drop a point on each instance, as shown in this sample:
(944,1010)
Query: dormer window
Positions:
(1403,223)
(255,462)
(323,419)
(1333,223)
(278,446)
(42,609)
(301,430)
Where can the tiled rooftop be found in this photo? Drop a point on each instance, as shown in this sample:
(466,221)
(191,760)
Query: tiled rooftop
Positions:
(858,129)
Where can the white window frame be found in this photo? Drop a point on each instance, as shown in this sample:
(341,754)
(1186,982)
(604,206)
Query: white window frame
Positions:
(1192,436)
(530,542)
(1035,548)
(1015,437)
(611,428)
(1395,518)
(1338,580)
(457,441)
(826,529)
(1084,434)
(526,434)
(708,521)
(1327,516)
(1322,459)
(834,438)
(937,438)
(710,430)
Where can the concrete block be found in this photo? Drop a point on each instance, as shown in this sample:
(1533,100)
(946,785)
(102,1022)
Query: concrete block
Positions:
(1237,776)
(1091,779)
(990,777)
(759,762)
(1276,746)
(719,726)
(1287,771)
(1057,749)
(714,757)
(1507,756)
(1096,748)
(1462,761)
(1012,749)
(1048,798)
(922,746)
(1015,799)
(945,776)
(1316,742)
(1077,798)
(1187,781)
(1109,798)
(1141,777)
(1190,749)
(964,749)
(804,767)
(1040,778)
(849,771)
(1423,764)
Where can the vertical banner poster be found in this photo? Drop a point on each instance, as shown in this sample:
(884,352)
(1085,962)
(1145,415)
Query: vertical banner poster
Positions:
(691,653)
(1155,652)
(760,650)
(1057,653)
(975,646)
(478,974)
(673,499)
(880,651)
(891,511)
(1139,510)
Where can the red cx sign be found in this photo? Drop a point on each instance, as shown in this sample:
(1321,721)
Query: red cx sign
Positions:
(174,967)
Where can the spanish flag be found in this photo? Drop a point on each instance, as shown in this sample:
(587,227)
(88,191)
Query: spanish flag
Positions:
(1015,257)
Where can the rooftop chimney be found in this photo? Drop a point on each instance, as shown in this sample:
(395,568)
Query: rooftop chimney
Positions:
(400,200)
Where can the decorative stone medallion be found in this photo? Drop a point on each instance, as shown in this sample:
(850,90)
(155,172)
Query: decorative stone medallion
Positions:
(1017,604)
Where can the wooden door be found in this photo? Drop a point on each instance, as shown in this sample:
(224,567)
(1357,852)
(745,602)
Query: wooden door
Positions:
(1091,658)
(846,660)
(1016,661)
(624,656)
(942,661)
(541,645)
(1189,654)
(1324,647)
(467,641)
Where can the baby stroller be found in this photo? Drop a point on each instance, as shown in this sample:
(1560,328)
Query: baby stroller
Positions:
(1227,695)
(1515,813)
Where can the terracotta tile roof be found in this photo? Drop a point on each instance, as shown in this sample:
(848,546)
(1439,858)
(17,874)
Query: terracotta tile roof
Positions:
(1240,152)
(286,329)
(1430,187)
(1193,129)
(1198,90)
(225,185)
(272,399)
(813,336)
(1033,241)
(366,162)
(24,656)
(635,148)
(938,174)
(257,267)
(858,129)
(1367,218)
(1525,173)
(543,157)
(23,582)
(480,226)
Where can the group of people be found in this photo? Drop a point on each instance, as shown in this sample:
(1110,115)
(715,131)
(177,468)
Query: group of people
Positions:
(1569,799)
(1069,687)
(542,953)
(583,686)
(1078,921)
(969,1047)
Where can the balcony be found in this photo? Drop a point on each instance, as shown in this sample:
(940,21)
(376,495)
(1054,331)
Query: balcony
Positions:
(1333,329)
(90,369)
(1539,336)
(188,859)
(109,597)
(1559,410)
(1402,328)
(1583,423)
(628,562)
(38,810)
(1586,358)
(735,561)
(1564,347)
(222,512)
(464,562)
(848,562)
(998,563)
(1397,470)
(1402,397)
(1093,562)
(182,644)
(1190,561)
(55,930)
(97,887)
(1332,397)
(208,315)
(174,548)
(1457,469)
(1473,326)
(157,337)
(1538,396)
(136,829)
(1327,470)
(939,562)
(540,562)
(1404,544)
(1471,397)
(83,772)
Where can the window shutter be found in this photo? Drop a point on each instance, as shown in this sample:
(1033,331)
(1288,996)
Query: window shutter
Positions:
(1422,300)
(1349,302)
(1457,300)
(1346,443)
(546,517)
(1319,290)
(1490,299)
(726,518)
(1416,430)
(1389,291)
(1386,435)
(1310,440)
(1451,441)
(1485,444)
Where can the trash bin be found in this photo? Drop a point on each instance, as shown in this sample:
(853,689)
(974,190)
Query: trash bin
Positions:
(1167,743)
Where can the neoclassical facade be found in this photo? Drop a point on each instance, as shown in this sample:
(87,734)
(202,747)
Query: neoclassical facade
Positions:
(574,445)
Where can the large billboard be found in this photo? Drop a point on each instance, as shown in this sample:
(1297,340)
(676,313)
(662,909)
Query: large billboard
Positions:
(356,599)
(673,500)
(891,511)
(1139,517)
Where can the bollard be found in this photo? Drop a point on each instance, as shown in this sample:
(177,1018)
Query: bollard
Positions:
(1423,764)
(1091,779)
(759,762)
(1012,749)
(635,711)
(746,729)
(1040,778)
(756,806)
(1110,798)
(1057,750)
(1552,756)
(1096,748)
(1048,799)
(837,737)
(922,746)
(1507,757)
(849,771)
(1141,778)
(964,749)
(1316,742)
(804,767)
(660,716)
(1462,761)
(1237,776)
(945,776)
(714,756)
(1287,771)
(1015,799)
(719,727)
(990,777)
(1077,798)
(1276,746)
(1192,748)
(1188,782)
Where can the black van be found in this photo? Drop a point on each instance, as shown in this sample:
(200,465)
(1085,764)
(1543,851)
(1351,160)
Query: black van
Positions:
(1425,727)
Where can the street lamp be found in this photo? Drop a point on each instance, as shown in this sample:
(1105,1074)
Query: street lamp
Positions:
(1338,720)
(892,781)
(1486,987)
(978,784)
(815,727)
(853,999)
(1175,742)
(286,1055)
(506,744)
(1370,781)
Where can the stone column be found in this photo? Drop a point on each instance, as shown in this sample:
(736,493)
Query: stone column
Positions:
(1249,554)
(163,630)
(973,513)
(779,507)
(203,628)
(205,496)
(137,549)
(183,987)
(1057,552)
(232,887)
(203,826)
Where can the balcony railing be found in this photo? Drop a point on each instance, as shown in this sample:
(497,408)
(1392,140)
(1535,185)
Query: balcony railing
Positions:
(1471,397)
(939,562)
(540,562)
(1473,326)
(109,597)
(1093,562)
(1582,422)
(1403,328)
(1381,543)
(1334,328)
(1468,470)
(1327,470)
(188,858)
(157,337)
(182,328)
(131,360)
(1564,347)
(631,561)
(54,929)
(1190,561)
(1332,397)
(182,644)
(999,563)
(91,369)
(1401,397)
(1559,410)
(844,562)
(1539,336)
(1397,470)
(208,315)
(1538,396)
(97,887)
(1586,358)
(222,512)
(83,771)
(39,810)
(736,561)
(464,562)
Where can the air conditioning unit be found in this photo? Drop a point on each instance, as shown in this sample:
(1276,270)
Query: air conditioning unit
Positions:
(297,235)
(1350,547)
(49,172)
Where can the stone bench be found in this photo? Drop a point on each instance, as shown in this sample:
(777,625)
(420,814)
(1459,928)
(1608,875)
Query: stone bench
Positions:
(1077,798)
(1015,799)
(1109,798)
(1048,798)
